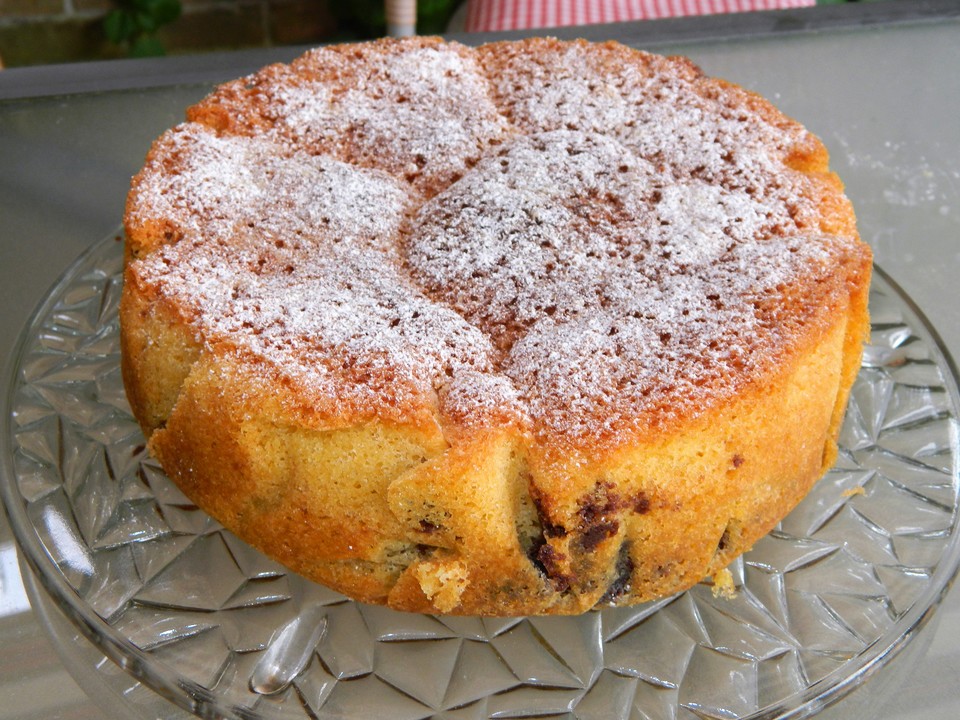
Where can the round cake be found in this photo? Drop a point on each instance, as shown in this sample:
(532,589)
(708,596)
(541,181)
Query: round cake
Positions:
(527,328)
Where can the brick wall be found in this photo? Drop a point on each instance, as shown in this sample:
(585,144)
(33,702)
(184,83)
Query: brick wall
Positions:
(53,31)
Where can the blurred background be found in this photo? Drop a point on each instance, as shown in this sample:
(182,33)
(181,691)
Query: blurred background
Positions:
(35,32)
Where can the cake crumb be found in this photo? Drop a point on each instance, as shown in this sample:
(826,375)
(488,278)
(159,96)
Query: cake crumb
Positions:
(723,585)
(443,582)
(850,492)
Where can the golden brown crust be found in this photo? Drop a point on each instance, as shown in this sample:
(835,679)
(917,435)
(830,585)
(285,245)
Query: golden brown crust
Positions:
(439,446)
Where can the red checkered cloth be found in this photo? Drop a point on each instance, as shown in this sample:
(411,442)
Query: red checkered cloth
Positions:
(496,15)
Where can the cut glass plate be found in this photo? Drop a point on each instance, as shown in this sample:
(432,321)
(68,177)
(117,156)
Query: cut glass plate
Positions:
(843,583)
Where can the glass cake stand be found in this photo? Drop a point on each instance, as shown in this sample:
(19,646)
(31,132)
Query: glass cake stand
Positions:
(833,594)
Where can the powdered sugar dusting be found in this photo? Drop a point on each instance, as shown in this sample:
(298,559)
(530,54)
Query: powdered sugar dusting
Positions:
(216,186)
(593,256)
(608,288)
(672,346)
(663,109)
(422,113)
(530,231)
(293,258)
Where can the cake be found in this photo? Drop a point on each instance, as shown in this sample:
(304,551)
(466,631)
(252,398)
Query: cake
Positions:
(534,327)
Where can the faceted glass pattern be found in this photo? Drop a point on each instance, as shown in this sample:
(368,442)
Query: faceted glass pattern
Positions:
(202,618)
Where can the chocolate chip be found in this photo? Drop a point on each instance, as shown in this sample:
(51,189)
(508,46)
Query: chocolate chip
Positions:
(549,528)
(641,503)
(730,536)
(597,505)
(598,515)
(621,583)
(596,534)
(549,562)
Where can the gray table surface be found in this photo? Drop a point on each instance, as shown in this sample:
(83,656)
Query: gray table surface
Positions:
(884,96)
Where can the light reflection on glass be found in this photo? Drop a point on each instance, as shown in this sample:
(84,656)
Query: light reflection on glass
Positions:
(73,552)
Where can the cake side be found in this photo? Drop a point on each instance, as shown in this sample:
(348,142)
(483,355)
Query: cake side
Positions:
(385,513)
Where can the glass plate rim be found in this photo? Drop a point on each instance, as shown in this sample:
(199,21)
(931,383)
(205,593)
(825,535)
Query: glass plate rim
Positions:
(195,698)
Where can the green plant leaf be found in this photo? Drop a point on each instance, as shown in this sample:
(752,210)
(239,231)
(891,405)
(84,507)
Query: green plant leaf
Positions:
(146,46)
(166,11)
(146,22)
(118,26)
